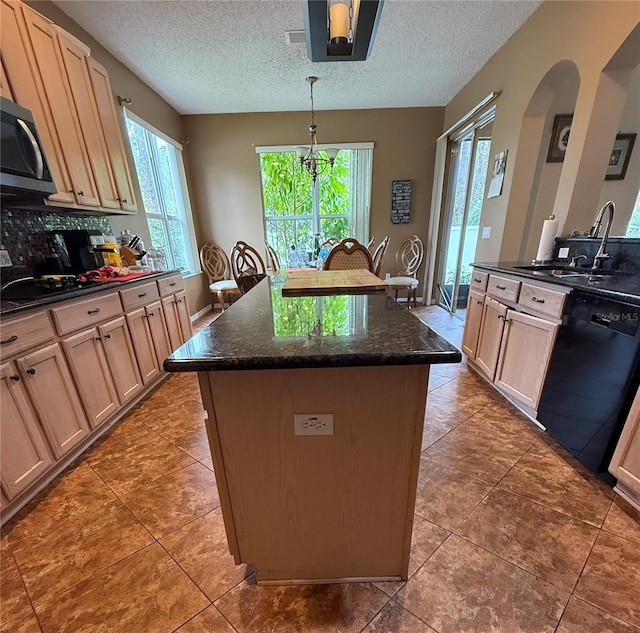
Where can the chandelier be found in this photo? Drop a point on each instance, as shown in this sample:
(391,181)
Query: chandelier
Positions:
(309,156)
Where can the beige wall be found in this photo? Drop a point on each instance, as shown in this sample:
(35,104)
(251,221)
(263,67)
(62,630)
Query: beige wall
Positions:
(225,177)
(588,34)
(147,104)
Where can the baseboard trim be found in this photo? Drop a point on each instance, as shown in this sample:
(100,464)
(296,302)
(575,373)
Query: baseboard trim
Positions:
(200,313)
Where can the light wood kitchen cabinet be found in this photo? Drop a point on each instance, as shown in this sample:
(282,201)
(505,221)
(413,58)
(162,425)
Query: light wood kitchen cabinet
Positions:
(121,359)
(5,87)
(86,109)
(177,318)
(525,352)
(23,450)
(88,363)
(55,399)
(625,464)
(491,327)
(138,323)
(113,134)
(472,323)
(159,334)
(20,65)
(43,37)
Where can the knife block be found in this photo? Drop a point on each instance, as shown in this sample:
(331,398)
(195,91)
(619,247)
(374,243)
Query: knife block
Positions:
(128,255)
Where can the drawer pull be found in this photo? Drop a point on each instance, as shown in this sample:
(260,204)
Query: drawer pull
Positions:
(31,371)
(142,294)
(11,339)
(537,300)
(476,280)
(93,311)
(107,335)
(173,283)
(98,338)
(15,377)
(501,287)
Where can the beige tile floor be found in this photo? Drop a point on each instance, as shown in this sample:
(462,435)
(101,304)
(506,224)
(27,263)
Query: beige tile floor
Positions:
(511,535)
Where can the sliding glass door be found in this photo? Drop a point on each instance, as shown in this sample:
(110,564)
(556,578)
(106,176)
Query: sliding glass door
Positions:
(468,163)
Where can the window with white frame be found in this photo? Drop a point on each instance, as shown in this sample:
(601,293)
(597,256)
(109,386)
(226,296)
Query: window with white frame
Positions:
(160,169)
(299,214)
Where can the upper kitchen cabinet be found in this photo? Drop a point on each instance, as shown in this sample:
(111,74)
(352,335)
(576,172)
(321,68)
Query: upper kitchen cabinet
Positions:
(53,75)
(5,88)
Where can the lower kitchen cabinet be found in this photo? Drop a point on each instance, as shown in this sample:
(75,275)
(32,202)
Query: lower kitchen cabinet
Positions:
(92,376)
(158,328)
(177,318)
(138,322)
(23,448)
(625,464)
(472,324)
(121,358)
(54,397)
(488,350)
(525,351)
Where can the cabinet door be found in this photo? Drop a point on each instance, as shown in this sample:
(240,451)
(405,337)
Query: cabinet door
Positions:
(86,110)
(155,317)
(183,315)
(23,450)
(42,36)
(138,324)
(491,326)
(21,68)
(625,464)
(93,379)
(527,342)
(472,324)
(54,396)
(121,358)
(170,310)
(113,133)
(5,87)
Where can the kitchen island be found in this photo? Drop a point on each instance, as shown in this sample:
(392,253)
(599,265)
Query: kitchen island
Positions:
(315,414)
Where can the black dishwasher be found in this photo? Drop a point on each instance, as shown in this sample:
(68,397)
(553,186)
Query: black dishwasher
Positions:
(592,379)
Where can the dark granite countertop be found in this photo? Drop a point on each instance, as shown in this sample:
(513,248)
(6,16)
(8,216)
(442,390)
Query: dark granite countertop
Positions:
(264,330)
(13,306)
(619,287)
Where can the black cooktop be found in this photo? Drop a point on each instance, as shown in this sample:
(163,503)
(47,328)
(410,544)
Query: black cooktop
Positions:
(33,289)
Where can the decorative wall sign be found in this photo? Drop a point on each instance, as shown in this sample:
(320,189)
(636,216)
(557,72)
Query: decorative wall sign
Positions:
(499,167)
(620,155)
(559,138)
(400,201)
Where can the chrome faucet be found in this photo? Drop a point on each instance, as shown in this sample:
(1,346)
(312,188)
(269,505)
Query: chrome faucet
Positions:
(601,256)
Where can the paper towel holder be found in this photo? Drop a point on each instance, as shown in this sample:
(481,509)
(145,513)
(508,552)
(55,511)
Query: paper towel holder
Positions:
(538,262)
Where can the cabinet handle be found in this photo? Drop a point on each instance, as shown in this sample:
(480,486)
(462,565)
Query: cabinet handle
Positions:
(501,287)
(125,200)
(15,377)
(477,280)
(537,300)
(81,193)
(501,316)
(11,339)
(151,314)
(142,294)
(178,300)
(173,283)
(31,371)
(93,311)
(107,335)
(98,338)
(478,302)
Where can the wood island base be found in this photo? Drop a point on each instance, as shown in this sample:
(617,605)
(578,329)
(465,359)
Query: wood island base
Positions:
(321,508)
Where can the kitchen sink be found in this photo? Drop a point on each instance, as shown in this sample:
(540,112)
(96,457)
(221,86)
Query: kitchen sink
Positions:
(571,271)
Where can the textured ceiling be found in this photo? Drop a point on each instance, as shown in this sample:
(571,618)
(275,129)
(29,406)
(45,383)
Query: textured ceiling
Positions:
(220,56)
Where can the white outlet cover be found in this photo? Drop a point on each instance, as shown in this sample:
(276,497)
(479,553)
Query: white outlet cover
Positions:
(486,232)
(313,423)
(563,253)
(5,260)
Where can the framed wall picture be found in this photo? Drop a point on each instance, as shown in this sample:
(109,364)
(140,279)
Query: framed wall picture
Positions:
(620,156)
(559,138)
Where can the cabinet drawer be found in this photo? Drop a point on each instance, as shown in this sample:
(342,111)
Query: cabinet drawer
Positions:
(170,285)
(137,296)
(503,288)
(542,300)
(479,280)
(18,335)
(86,313)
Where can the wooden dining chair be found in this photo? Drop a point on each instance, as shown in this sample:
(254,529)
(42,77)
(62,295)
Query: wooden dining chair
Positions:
(378,255)
(349,255)
(408,259)
(371,244)
(247,266)
(272,256)
(215,264)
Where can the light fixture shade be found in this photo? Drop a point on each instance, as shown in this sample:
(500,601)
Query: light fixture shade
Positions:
(332,152)
(319,45)
(302,151)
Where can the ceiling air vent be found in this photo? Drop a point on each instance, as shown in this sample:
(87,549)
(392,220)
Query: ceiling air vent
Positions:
(295,37)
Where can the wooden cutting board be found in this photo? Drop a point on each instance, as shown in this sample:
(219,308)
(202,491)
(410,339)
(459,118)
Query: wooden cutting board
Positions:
(304,283)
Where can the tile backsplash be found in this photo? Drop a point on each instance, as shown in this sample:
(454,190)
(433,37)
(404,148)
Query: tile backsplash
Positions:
(624,251)
(21,233)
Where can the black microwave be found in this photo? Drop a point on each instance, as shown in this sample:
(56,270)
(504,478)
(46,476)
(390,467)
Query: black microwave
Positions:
(24,172)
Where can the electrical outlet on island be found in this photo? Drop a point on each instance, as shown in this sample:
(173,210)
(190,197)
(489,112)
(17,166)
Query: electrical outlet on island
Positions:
(5,260)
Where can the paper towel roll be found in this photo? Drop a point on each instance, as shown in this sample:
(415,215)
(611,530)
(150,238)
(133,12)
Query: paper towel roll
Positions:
(546,246)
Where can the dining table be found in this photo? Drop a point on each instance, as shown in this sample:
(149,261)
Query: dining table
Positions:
(305,283)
